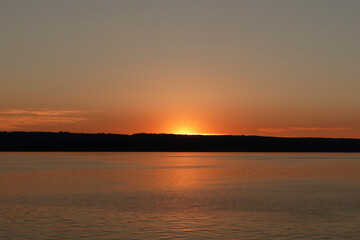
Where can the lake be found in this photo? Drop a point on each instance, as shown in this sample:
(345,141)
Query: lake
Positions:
(179,195)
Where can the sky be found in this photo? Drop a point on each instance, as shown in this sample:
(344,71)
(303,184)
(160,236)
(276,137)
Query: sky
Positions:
(271,67)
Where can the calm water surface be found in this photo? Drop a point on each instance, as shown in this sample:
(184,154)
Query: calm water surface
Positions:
(179,195)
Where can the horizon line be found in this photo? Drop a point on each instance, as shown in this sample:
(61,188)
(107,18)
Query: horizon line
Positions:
(175,134)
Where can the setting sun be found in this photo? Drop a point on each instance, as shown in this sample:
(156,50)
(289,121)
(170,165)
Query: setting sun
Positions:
(188,131)
(185,131)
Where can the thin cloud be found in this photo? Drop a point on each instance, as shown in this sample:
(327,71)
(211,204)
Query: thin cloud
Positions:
(6,126)
(40,113)
(16,118)
(287,129)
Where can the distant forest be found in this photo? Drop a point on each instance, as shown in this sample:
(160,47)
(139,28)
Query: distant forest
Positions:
(64,141)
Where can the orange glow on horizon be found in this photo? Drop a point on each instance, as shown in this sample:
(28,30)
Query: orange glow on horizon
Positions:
(188,131)
(184,132)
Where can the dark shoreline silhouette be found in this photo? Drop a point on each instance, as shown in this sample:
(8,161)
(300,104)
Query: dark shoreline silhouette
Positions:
(86,142)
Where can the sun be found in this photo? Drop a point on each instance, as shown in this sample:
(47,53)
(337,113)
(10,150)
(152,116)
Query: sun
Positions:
(184,131)
(189,128)
(188,131)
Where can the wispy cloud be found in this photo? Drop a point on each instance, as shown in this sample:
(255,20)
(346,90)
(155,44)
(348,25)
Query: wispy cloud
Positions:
(41,112)
(17,118)
(287,129)
(6,126)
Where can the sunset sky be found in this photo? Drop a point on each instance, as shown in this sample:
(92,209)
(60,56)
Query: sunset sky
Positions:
(274,68)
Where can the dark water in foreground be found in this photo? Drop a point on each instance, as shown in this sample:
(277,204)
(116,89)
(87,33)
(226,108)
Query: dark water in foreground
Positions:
(179,195)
